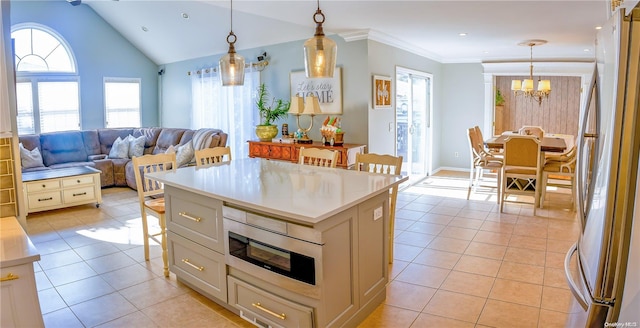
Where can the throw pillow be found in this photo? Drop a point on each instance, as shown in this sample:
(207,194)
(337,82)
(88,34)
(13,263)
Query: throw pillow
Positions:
(184,153)
(30,158)
(136,145)
(119,149)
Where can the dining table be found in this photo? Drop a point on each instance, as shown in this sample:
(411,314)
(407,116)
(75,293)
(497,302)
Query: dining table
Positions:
(547,144)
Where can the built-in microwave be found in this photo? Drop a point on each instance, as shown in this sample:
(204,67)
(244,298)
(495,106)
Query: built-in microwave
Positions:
(281,253)
(272,258)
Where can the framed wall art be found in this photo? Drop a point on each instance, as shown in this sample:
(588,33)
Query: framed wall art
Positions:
(328,90)
(381,92)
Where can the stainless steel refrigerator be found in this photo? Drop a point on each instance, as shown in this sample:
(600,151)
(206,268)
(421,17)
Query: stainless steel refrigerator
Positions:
(606,279)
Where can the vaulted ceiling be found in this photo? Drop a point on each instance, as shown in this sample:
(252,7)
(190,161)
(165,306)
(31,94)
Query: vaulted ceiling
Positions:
(179,30)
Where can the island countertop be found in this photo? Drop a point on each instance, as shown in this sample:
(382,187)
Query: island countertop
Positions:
(15,246)
(300,193)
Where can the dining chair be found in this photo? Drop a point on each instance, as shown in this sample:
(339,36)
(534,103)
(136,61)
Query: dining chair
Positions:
(482,160)
(151,198)
(213,155)
(559,167)
(318,157)
(480,137)
(530,130)
(521,168)
(385,164)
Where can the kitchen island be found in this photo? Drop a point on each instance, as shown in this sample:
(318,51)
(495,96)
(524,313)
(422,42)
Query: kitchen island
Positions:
(281,244)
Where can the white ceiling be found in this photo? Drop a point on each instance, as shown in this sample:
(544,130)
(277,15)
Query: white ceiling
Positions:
(426,27)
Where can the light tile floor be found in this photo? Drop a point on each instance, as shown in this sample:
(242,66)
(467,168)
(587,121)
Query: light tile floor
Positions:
(458,263)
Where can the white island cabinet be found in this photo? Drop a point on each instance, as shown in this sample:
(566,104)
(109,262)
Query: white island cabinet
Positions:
(20,305)
(281,244)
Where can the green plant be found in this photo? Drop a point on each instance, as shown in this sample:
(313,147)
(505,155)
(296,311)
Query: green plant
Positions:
(499,98)
(278,108)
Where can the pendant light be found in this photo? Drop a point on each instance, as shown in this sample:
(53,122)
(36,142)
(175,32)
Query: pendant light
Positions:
(231,65)
(319,52)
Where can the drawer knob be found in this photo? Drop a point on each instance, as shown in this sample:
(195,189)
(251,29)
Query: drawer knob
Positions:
(187,216)
(10,276)
(264,309)
(78,181)
(44,186)
(199,268)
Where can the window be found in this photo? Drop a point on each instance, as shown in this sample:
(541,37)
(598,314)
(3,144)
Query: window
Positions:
(122,102)
(231,109)
(47,88)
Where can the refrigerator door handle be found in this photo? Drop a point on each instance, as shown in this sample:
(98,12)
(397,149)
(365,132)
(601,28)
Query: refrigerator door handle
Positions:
(572,285)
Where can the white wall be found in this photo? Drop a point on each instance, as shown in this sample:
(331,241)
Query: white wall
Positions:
(462,99)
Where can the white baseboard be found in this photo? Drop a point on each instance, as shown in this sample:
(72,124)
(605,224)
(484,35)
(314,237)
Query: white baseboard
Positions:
(448,168)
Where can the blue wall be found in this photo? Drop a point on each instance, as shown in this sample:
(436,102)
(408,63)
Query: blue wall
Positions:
(100,51)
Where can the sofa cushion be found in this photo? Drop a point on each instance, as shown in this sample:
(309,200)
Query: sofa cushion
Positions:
(184,153)
(108,136)
(72,164)
(120,148)
(91,142)
(31,141)
(168,137)
(62,147)
(136,145)
(30,158)
(150,137)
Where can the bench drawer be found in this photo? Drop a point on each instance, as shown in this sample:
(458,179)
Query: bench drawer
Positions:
(78,195)
(45,199)
(43,185)
(259,306)
(77,181)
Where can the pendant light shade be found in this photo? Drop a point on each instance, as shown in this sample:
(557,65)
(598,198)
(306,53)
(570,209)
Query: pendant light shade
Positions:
(231,65)
(320,52)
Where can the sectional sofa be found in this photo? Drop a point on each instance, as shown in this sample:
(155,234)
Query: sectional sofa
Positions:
(92,148)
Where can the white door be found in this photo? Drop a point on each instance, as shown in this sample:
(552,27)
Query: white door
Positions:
(413,121)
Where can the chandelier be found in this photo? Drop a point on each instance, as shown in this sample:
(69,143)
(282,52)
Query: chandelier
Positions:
(525,87)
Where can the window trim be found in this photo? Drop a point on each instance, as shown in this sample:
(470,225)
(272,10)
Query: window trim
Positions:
(106,80)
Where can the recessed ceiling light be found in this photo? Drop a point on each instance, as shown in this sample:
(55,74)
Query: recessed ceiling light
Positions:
(486,52)
(144,28)
(587,50)
(185,15)
(598,27)
(462,34)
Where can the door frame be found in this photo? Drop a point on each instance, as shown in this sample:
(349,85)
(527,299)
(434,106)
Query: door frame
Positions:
(428,133)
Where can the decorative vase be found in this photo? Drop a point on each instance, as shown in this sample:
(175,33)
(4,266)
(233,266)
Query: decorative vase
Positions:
(266,132)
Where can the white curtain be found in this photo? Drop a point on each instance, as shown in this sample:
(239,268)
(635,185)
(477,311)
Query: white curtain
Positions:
(230,109)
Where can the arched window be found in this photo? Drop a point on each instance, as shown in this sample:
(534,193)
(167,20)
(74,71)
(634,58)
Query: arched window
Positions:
(47,85)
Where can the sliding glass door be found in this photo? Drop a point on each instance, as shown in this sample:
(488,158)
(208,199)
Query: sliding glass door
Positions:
(413,121)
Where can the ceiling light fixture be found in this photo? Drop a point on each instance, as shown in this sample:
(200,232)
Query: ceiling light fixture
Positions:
(231,65)
(320,52)
(525,87)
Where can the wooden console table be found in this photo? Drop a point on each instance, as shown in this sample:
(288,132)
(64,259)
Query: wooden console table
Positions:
(290,152)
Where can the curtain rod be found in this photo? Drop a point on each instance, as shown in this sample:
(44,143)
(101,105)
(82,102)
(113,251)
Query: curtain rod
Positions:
(259,66)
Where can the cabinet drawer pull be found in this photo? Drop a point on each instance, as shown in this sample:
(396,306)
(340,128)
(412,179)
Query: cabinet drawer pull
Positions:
(185,215)
(78,181)
(199,268)
(262,308)
(80,194)
(45,199)
(10,276)
(44,186)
